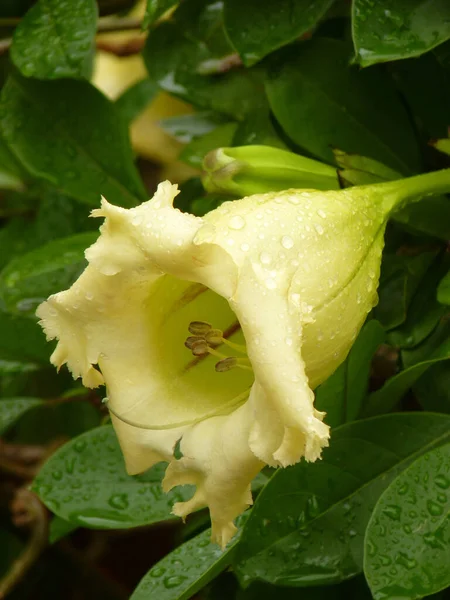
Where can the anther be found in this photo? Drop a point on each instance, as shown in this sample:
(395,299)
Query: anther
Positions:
(199,327)
(199,347)
(214,337)
(226,364)
(191,340)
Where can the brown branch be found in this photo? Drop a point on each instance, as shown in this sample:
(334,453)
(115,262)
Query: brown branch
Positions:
(104,25)
(29,510)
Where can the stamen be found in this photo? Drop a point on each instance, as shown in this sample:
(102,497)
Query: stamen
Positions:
(191,340)
(200,347)
(199,327)
(230,362)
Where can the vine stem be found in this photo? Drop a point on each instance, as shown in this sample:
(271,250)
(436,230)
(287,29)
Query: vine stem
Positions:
(36,514)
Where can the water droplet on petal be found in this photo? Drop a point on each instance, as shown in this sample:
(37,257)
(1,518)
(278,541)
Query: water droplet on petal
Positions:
(265,258)
(287,242)
(236,222)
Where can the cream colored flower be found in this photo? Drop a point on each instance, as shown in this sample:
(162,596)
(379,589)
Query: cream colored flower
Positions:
(285,280)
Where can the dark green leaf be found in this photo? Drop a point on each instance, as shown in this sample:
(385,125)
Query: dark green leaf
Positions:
(343,394)
(85,482)
(443,291)
(155,9)
(135,98)
(29,279)
(431,217)
(400,278)
(390,30)
(185,128)
(387,398)
(189,57)
(433,389)
(12,409)
(257,28)
(56,419)
(55,39)
(424,311)
(426,87)
(318,512)
(186,570)
(321,102)
(22,340)
(81,145)
(195,152)
(408,536)
(59,528)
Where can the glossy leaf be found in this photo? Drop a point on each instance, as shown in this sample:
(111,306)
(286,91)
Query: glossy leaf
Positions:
(424,311)
(135,99)
(425,84)
(433,389)
(195,152)
(60,528)
(189,57)
(390,30)
(29,279)
(387,398)
(22,340)
(443,291)
(318,512)
(186,570)
(257,28)
(80,146)
(55,39)
(11,409)
(400,279)
(85,482)
(342,395)
(155,9)
(408,536)
(321,102)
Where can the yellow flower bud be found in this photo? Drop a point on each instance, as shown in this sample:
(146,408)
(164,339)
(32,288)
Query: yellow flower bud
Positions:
(215,330)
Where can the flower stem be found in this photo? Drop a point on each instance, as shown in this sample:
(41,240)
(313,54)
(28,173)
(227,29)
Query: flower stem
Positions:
(401,192)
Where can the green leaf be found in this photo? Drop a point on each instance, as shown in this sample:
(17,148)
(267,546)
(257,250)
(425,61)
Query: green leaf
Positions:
(433,389)
(400,279)
(155,9)
(431,217)
(11,409)
(185,128)
(443,291)
(189,57)
(29,279)
(195,152)
(386,398)
(360,170)
(342,395)
(135,99)
(55,39)
(60,528)
(425,84)
(318,512)
(408,536)
(22,340)
(322,103)
(186,570)
(424,311)
(80,146)
(390,30)
(85,482)
(257,28)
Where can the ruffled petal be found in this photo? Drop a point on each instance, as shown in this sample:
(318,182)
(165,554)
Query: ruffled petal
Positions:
(218,460)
